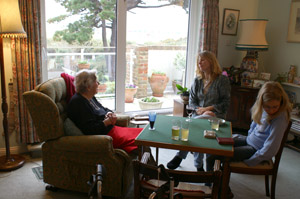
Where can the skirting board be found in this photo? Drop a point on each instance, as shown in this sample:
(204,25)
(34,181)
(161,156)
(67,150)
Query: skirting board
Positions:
(14,150)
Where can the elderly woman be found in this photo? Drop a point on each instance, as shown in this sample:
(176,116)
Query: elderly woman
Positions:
(209,96)
(94,119)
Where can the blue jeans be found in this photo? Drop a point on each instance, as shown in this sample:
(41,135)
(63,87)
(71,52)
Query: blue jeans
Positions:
(242,151)
(198,158)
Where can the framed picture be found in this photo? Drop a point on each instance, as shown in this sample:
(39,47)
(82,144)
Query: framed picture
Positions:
(294,23)
(265,76)
(257,83)
(230,21)
(247,83)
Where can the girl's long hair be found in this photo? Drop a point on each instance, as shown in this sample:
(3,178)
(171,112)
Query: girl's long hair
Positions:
(214,64)
(270,91)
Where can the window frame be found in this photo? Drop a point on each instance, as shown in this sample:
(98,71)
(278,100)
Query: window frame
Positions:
(121,13)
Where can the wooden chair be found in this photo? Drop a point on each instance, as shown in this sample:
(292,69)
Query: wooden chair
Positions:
(146,181)
(265,168)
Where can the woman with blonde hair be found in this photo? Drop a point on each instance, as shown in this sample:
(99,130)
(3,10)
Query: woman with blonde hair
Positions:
(270,115)
(209,97)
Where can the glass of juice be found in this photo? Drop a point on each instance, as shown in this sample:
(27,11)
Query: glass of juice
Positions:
(152,118)
(185,130)
(175,129)
(214,122)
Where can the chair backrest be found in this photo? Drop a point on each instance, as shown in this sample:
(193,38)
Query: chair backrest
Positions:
(151,172)
(47,107)
(279,152)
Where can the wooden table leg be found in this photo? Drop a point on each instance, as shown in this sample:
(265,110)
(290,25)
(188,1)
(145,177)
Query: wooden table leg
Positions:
(156,155)
(225,180)
(140,149)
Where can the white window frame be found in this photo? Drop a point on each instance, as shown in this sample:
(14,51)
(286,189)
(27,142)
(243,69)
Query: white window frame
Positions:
(192,48)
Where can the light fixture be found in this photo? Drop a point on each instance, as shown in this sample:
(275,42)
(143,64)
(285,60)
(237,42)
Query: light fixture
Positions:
(252,38)
(10,27)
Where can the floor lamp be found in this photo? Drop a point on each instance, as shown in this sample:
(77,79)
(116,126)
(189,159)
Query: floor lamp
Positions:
(10,27)
(252,39)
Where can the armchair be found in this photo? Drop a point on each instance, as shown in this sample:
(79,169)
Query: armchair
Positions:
(69,161)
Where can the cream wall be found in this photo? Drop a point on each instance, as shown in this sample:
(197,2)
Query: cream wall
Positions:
(281,54)
(227,55)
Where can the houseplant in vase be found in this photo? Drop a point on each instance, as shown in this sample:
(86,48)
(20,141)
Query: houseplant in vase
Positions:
(130,91)
(102,82)
(184,92)
(83,65)
(158,83)
(150,103)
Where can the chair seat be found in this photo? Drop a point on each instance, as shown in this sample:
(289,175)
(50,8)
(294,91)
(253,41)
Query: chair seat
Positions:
(241,167)
(186,189)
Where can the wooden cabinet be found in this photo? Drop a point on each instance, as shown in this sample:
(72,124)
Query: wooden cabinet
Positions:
(179,108)
(242,99)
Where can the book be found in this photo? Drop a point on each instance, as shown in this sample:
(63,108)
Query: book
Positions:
(227,141)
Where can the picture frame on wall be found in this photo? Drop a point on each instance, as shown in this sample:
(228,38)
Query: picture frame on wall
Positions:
(230,21)
(294,22)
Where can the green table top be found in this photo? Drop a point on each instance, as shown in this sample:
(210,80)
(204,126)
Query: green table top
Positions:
(161,136)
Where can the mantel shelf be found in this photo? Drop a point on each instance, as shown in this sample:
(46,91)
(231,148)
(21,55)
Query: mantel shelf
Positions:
(290,84)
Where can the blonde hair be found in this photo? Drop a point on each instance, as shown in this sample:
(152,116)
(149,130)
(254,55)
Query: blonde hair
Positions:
(270,91)
(214,64)
(84,79)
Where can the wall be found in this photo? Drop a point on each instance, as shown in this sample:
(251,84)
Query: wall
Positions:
(227,55)
(281,54)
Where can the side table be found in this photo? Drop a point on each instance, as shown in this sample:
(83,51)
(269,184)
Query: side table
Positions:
(139,120)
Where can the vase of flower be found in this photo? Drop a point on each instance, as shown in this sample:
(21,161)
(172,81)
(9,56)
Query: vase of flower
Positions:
(130,91)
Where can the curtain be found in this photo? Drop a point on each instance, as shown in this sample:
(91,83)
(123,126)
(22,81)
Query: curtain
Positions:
(26,67)
(209,26)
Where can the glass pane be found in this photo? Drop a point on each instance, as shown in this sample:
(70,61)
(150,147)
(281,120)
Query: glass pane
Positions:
(156,52)
(76,40)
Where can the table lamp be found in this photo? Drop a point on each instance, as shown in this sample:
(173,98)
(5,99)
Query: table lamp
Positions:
(10,27)
(252,38)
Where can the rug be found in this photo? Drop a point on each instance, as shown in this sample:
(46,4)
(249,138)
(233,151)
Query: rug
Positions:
(38,172)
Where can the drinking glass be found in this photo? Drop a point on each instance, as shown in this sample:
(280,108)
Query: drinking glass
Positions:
(185,130)
(214,122)
(189,111)
(152,117)
(175,129)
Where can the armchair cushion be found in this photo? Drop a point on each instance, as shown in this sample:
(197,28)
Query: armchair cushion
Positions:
(70,128)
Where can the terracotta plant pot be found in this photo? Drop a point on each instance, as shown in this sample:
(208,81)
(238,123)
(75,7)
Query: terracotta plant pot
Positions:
(102,88)
(83,66)
(129,94)
(158,83)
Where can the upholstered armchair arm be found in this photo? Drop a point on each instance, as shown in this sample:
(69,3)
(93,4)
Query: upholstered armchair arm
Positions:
(123,120)
(86,143)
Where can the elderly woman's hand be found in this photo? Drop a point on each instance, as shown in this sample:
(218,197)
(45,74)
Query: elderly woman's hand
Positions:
(110,119)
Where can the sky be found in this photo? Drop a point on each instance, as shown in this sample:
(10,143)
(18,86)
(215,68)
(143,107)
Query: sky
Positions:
(142,24)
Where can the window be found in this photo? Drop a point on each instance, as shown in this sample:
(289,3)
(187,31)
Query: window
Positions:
(156,41)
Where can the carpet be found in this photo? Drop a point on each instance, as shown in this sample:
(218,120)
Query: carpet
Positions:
(38,172)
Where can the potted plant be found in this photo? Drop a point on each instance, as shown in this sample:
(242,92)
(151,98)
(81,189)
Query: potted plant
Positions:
(150,103)
(102,80)
(184,92)
(130,91)
(158,83)
(83,65)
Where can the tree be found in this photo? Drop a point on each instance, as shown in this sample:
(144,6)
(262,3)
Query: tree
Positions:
(98,14)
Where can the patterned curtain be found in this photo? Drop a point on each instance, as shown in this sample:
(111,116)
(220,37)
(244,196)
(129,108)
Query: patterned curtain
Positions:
(209,27)
(26,66)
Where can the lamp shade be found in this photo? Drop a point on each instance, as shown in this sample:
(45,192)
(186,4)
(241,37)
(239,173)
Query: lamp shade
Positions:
(252,35)
(10,19)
